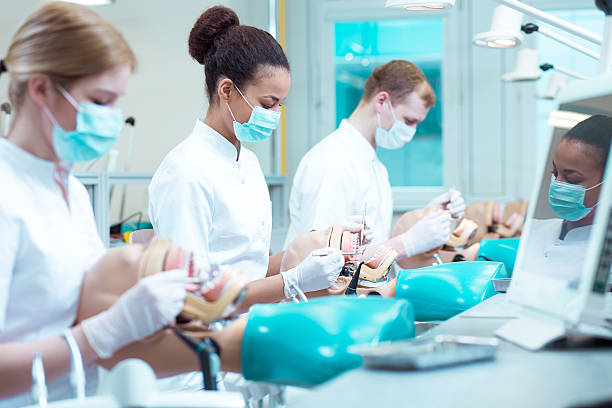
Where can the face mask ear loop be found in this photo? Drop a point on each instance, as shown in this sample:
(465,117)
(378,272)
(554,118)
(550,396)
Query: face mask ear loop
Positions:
(231,113)
(245,99)
(50,116)
(392,112)
(595,186)
(68,97)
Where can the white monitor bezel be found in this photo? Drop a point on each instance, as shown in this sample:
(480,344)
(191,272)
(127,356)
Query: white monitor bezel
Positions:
(544,293)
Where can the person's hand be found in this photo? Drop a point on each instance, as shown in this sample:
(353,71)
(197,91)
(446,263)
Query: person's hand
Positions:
(144,309)
(318,271)
(451,201)
(354,223)
(430,232)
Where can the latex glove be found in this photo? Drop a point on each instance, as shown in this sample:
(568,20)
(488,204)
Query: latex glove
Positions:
(144,309)
(318,271)
(354,223)
(430,232)
(451,201)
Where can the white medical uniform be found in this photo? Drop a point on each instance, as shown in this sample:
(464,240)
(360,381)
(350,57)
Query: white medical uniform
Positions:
(334,180)
(548,254)
(46,247)
(202,199)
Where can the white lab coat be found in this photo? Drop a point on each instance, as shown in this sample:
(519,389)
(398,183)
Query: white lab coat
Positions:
(548,254)
(334,180)
(45,250)
(202,199)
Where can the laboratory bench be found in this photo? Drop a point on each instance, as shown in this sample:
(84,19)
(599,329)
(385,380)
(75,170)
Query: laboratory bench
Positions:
(556,377)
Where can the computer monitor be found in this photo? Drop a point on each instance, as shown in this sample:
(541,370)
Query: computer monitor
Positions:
(562,270)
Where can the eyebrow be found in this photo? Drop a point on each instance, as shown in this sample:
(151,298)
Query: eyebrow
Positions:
(570,171)
(274,98)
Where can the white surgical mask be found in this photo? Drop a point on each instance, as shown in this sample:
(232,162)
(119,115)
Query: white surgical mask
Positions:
(396,137)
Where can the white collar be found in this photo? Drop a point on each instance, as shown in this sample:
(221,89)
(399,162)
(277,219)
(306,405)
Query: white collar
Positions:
(578,234)
(219,143)
(358,140)
(28,162)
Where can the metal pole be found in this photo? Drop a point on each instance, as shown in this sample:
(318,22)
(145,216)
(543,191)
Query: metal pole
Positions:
(552,20)
(572,44)
(605,62)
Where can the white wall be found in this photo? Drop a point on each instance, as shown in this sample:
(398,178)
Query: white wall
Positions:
(166,95)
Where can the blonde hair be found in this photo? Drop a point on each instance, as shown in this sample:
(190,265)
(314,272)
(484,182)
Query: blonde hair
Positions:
(399,78)
(65,41)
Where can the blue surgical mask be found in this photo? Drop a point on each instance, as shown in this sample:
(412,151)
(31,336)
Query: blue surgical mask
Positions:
(396,137)
(567,200)
(260,125)
(97,129)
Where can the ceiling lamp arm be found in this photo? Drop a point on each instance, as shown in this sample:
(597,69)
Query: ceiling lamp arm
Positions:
(530,28)
(554,21)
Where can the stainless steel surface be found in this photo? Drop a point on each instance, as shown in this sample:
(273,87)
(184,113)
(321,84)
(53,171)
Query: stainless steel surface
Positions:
(501,285)
(429,352)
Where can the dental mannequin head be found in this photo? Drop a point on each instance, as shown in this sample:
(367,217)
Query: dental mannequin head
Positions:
(580,160)
(395,99)
(62,46)
(245,68)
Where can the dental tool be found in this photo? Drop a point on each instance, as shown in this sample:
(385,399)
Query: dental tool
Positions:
(77,371)
(299,295)
(39,387)
(363,224)
(438,259)
(208,353)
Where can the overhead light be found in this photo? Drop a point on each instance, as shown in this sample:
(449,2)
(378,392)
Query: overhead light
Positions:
(526,67)
(505,31)
(91,2)
(557,81)
(566,119)
(421,4)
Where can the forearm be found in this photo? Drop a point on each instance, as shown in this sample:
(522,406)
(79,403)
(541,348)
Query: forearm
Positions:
(398,246)
(266,290)
(274,264)
(16,361)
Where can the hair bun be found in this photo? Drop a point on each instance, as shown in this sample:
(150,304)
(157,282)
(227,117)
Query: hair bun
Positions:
(211,24)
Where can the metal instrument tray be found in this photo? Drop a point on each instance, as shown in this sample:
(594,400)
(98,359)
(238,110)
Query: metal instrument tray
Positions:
(431,352)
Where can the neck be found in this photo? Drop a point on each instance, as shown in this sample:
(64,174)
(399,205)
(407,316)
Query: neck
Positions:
(27,132)
(213,119)
(365,121)
(588,220)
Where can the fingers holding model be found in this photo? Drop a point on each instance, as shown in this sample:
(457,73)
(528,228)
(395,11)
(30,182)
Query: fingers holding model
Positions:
(141,311)
(318,271)
(452,201)
(428,233)
(354,223)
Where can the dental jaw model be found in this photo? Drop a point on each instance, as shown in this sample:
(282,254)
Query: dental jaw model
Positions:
(459,245)
(374,262)
(211,297)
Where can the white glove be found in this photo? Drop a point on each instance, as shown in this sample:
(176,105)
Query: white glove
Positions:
(354,223)
(428,233)
(318,271)
(451,201)
(144,309)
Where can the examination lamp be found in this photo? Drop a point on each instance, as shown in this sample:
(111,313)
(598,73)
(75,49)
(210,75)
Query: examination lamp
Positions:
(526,66)
(420,4)
(505,30)
(91,2)
(557,81)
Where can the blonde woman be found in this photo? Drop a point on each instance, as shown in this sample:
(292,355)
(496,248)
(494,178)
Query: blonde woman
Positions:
(67,68)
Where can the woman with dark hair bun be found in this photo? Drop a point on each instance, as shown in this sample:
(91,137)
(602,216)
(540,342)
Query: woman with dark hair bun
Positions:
(578,168)
(209,194)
